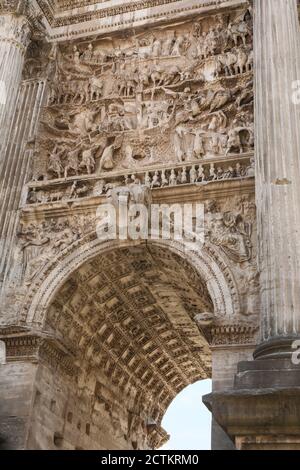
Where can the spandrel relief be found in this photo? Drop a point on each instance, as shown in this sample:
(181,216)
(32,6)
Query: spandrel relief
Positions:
(178,94)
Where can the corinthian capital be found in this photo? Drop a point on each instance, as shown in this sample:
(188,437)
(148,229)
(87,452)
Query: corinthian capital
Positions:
(18,7)
(20,21)
(15,29)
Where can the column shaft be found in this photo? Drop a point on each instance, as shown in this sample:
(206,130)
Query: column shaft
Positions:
(15,172)
(14,37)
(277,69)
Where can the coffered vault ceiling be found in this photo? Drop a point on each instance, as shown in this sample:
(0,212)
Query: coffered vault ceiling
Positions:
(133,310)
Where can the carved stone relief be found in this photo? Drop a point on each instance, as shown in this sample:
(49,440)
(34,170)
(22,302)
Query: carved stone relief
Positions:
(175,95)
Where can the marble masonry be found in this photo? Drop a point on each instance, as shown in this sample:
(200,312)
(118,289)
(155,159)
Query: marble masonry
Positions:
(172,102)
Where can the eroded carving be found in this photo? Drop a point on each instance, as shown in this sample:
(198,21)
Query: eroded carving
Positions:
(191,85)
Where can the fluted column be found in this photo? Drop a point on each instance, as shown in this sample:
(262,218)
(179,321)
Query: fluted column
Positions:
(15,171)
(277,70)
(14,39)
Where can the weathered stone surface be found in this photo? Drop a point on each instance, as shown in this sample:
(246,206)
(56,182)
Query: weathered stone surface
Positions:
(261,411)
(142,102)
(17,382)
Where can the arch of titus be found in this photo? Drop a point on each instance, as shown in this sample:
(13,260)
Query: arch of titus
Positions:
(180,101)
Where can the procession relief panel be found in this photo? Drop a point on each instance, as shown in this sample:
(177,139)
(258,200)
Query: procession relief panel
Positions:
(173,104)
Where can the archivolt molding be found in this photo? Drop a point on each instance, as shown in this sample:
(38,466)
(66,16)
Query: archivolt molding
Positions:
(208,263)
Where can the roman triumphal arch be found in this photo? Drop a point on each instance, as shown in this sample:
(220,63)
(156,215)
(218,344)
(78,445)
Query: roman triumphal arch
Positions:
(150,103)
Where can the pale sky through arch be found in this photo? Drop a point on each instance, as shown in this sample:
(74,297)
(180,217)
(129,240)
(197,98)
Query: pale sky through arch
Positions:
(188,421)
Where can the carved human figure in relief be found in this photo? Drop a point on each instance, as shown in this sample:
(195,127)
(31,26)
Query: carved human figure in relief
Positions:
(168,46)
(99,188)
(212,172)
(156,47)
(107,158)
(184,178)
(164,179)
(199,151)
(173,178)
(88,55)
(76,55)
(64,239)
(178,45)
(229,173)
(155,181)
(241,61)
(55,164)
(88,161)
(234,140)
(216,144)
(202,49)
(73,160)
(226,64)
(107,162)
(147,180)
(32,242)
(211,43)
(193,175)
(233,235)
(219,99)
(178,144)
(250,61)
(220,173)
(246,95)
(201,174)
(95,88)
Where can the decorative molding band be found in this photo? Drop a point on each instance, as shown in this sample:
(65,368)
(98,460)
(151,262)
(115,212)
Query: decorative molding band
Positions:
(34,347)
(233,335)
(125,15)
(52,355)
(20,347)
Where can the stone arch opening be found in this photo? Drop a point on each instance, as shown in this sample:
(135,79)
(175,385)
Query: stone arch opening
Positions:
(126,323)
(127,317)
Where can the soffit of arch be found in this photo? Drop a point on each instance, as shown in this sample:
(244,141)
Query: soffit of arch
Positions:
(126,313)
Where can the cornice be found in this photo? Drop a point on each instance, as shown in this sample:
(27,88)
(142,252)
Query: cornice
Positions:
(233,334)
(65,5)
(33,346)
(118,9)
(69,20)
